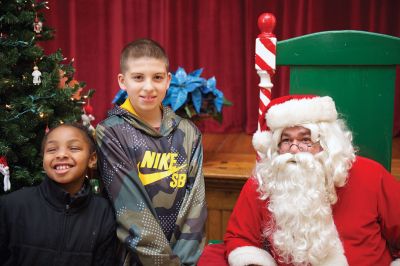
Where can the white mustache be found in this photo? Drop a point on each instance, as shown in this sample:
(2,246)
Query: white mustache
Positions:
(304,160)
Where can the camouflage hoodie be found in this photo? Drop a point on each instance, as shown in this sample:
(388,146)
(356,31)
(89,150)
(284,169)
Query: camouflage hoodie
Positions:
(156,184)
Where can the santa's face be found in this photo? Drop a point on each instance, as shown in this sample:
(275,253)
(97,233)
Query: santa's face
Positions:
(297,139)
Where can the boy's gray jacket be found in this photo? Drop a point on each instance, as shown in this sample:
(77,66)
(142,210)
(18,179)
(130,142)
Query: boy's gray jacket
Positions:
(156,184)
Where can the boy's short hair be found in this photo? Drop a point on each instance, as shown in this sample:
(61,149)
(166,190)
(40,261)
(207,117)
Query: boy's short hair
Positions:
(142,48)
(85,131)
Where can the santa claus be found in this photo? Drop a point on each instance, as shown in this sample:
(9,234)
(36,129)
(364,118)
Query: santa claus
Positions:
(311,200)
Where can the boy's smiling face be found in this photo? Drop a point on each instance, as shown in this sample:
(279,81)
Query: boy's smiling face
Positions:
(66,157)
(146,81)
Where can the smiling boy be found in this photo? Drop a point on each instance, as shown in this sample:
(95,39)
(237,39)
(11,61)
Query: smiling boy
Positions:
(151,165)
(59,222)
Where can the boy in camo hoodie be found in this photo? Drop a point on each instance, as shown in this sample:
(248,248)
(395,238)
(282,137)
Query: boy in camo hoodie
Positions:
(151,165)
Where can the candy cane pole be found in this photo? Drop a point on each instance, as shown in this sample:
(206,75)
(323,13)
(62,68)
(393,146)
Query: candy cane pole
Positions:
(265,63)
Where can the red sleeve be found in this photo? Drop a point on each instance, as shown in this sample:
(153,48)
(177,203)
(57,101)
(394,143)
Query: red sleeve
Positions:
(389,212)
(245,224)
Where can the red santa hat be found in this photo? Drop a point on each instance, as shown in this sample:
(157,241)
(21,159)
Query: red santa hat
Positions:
(293,110)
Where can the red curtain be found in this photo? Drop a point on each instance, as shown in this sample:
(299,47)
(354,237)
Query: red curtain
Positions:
(217,35)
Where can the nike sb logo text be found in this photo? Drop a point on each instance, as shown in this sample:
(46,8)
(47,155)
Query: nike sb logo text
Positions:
(161,161)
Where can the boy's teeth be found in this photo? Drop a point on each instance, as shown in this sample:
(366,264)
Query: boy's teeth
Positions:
(62,167)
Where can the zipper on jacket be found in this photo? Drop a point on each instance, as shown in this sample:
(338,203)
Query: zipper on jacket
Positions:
(60,247)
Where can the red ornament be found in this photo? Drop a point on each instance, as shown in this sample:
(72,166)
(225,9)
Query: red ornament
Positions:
(3,161)
(5,170)
(37,25)
(88,109)
(87,117)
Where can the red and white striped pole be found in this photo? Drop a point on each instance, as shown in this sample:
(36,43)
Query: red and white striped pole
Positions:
(265,63)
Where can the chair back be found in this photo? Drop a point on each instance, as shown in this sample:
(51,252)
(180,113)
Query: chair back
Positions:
(358,70)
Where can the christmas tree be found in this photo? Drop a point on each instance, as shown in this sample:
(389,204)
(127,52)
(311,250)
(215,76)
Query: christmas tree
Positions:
(37,91)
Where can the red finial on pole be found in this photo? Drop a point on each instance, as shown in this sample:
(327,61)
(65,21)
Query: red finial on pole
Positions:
(266,24)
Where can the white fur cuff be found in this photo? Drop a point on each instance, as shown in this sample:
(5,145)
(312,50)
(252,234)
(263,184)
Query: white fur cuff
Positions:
(395,262)
(250,255)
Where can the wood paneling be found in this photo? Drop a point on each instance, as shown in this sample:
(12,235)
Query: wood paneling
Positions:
(228,162)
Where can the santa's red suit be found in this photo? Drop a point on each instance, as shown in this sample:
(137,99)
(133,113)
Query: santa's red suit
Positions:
(366,215)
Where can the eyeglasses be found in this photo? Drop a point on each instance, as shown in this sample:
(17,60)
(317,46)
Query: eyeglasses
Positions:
(303,145)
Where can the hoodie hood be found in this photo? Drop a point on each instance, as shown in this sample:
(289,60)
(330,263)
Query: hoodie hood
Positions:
(168,123)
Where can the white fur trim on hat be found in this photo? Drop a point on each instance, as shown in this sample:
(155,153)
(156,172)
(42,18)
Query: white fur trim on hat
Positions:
(300,111)
(250,255)
(395,262)
(261,141)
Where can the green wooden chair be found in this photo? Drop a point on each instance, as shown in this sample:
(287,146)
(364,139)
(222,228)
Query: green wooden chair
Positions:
(358,70)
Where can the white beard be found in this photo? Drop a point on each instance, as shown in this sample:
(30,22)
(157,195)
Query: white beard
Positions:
(303,231)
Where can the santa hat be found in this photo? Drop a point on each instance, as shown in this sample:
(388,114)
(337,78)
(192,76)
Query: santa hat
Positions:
(293,110)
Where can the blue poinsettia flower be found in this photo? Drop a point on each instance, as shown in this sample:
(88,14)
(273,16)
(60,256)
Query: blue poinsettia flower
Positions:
(181,85)
(219,96)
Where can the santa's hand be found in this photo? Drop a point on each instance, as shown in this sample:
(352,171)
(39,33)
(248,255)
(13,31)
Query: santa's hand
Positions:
(395,262)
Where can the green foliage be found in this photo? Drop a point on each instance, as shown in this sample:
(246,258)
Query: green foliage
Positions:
(26,110)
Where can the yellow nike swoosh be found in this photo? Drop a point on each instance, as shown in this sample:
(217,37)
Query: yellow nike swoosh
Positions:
(154,177)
